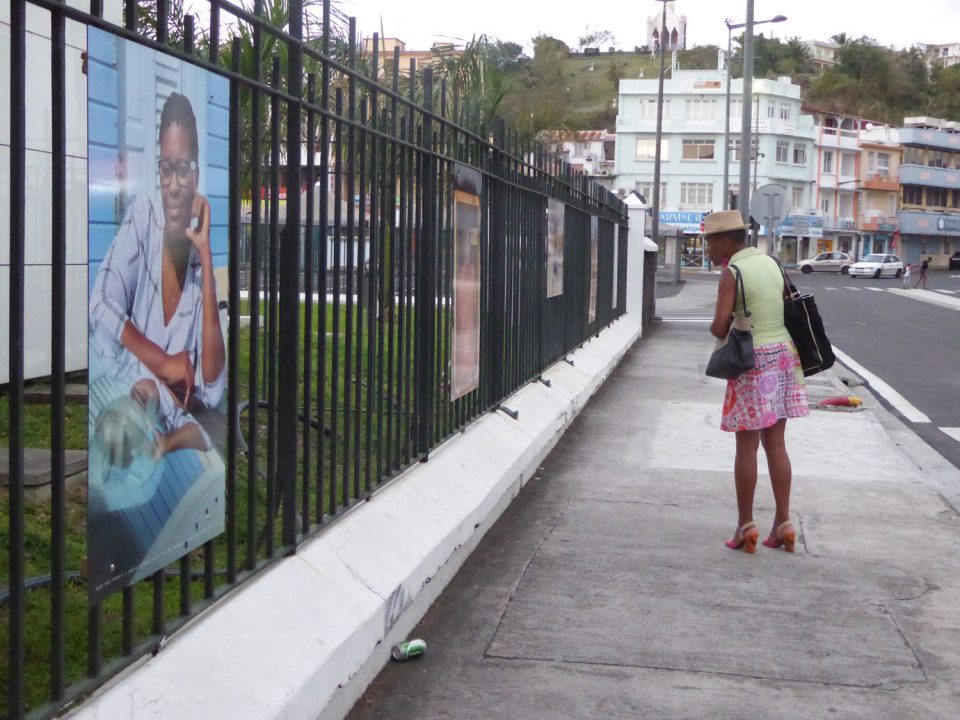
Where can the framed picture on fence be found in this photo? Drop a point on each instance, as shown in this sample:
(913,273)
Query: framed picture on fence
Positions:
(555,219)
(157,229)
(594,267)
(465,350)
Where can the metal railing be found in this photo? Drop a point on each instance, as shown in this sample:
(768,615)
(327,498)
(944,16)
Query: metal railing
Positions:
(342,379)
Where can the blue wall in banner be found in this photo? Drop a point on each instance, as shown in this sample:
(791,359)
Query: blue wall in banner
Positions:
(127,85)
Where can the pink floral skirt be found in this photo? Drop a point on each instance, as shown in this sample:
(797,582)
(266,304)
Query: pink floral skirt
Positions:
(772,391)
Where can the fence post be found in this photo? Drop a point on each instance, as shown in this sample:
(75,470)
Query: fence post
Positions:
(289,345)
(636,242)
(425,290)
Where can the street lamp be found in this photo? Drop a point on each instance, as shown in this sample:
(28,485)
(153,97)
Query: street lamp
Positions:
(731,26)
(655,225)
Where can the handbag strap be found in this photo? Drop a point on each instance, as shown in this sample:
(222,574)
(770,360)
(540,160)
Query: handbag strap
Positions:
(789,289)
(743,294)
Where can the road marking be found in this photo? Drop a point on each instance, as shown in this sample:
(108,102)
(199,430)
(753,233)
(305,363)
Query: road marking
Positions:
(876,289)
(898,401)
(928,296)
(668,317)
(853,288)
(948,292)
(952,432)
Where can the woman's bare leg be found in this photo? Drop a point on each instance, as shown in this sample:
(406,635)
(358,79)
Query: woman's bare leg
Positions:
(781,473)
(745,473)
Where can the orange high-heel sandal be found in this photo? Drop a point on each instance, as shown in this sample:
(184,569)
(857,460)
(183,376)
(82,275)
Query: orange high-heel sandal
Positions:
(785,537)
(747,541)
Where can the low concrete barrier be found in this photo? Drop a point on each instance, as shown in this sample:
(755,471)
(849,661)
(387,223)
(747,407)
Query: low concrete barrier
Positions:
(304,639)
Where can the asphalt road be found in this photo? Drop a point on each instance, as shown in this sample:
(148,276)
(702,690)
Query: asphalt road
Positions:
(911,345)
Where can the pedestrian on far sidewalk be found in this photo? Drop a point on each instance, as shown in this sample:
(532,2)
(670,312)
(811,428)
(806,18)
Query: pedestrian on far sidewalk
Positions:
(924,266)
(759,402)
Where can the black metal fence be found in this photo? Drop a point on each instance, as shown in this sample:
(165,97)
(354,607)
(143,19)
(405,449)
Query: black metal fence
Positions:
(338,366)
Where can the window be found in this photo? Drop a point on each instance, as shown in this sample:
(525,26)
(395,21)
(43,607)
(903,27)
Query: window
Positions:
(701,108)
(955,198)
(698,149)
(883,163)
(783,151)
(646,189)
(784,111)
(937,158)
(799,154)
(848,164)
(646,149)
(826,205)
(913,156)
(912,195)
(937,197)
(771,110)
(648,109)
(796,196)
(581,148)
(696,194)
(828,162)
(736,107)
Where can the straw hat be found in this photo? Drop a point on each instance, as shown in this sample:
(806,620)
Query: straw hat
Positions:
(723,221)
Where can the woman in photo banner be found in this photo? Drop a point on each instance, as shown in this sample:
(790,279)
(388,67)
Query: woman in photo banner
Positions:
(153,309)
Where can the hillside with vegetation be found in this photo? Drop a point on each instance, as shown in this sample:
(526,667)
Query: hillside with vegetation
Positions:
(562,87)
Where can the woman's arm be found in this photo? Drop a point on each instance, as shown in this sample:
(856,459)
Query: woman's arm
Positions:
(725,299)
(212,354)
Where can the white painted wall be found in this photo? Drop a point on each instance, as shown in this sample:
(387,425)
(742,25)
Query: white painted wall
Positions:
(40,188)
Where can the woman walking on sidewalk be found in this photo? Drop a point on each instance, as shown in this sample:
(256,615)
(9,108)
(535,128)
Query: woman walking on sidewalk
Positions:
(759,402)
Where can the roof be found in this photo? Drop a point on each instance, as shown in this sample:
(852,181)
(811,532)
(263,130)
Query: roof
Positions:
(574,135)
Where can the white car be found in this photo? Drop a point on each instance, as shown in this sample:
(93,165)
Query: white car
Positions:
(829,261)
(877,265)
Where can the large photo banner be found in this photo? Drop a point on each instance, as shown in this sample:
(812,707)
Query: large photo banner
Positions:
(158,197)
(594,267)
(465,361)
(555,220)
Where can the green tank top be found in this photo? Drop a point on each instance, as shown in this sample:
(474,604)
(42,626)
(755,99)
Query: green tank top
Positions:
(763,283)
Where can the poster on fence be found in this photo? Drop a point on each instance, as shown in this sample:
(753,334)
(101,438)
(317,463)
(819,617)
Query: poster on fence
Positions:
(465,350)
(555,213)
(594,267)
(616,262)
(157,252)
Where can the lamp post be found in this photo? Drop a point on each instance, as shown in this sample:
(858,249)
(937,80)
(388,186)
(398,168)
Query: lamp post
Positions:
(655,224)
(731,26)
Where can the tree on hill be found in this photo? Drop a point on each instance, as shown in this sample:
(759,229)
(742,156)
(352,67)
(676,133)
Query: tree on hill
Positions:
(945,100)
(595,38)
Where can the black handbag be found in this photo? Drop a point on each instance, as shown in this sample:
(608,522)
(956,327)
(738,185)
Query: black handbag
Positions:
(803,322)
(733,354)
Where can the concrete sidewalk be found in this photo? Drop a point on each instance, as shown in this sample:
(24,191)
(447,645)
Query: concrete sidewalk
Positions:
(605,590)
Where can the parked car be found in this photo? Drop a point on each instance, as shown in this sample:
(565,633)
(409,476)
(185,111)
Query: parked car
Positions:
(829,261)
(877,265)
(954,261)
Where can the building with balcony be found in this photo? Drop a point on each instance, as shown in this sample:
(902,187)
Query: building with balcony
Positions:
(836,179)
(929,212)
(692,144)
(942,56)
(587,151)
(823,54)
(423,58)
(879,190)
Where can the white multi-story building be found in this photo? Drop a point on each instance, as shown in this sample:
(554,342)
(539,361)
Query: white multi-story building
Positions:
(941,55)
(692,148)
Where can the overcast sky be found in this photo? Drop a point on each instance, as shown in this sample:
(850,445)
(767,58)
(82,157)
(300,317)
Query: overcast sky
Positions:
(420,23)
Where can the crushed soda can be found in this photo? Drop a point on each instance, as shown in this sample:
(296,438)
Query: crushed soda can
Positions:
(407,650)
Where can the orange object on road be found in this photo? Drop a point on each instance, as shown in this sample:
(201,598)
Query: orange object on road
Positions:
(845,400)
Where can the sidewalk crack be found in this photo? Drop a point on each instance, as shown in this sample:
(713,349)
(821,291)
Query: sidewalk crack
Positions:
(553,523)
